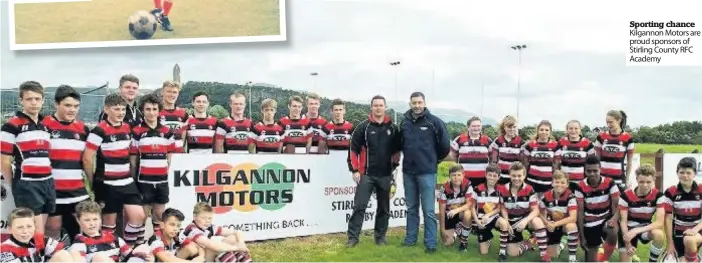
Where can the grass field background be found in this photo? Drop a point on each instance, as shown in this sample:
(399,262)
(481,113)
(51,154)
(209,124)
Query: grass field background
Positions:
(106,20)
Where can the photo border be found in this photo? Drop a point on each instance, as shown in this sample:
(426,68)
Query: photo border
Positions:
(137,43)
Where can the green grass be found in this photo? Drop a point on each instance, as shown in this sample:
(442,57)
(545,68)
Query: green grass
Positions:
(645,148)
(106,20)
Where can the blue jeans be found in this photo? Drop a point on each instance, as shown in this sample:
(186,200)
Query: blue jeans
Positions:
(420,188)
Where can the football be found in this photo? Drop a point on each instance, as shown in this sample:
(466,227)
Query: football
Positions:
(557,215)
(142,25)
(488,207)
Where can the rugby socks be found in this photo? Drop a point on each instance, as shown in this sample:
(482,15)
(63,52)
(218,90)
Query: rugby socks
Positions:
(524,246)
(542,240)
(134,234)
(110,229)
(465,232)
(572,245)
(156,225)
(655,253)
(504,236)
(607,253)
(233,257)
(157,4)
(167,5)
(692,257)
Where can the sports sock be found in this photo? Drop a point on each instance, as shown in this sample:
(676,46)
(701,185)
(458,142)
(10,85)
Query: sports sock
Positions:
(572,244)
(504,236)
(607,253)
(156,226)
(167,5)
(110,229)
(465,232)
(157,4)
(134,234)
(542,240)
(655,252)
(524,246)
(692,257)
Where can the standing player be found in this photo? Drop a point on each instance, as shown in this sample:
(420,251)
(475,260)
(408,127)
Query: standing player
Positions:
(268,132)
(161,10)
(234,133)
(472,150)
(26,244)
(317,140)
(68,137)
(539,154)
(520,208)
(637,208)
(572,150)
(507,148)
(338,130)
(26,140)
(199,130)
(152,145)
(614,147)
(683,209)
(295,135)
(597,198)
(559,211)
(454,208)
(486,212)
(173,116)
(110,140)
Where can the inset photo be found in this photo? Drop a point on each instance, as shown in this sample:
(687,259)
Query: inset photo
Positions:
(112,23)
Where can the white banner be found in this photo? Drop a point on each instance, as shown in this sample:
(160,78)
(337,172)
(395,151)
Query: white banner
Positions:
(635,163)
(670,165)
(274,196)
(8,203)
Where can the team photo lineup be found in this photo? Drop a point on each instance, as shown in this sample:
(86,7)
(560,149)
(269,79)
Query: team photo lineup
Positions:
(541,193)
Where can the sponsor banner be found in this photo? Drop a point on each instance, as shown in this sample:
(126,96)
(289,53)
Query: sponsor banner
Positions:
(275,196)
(670,165)
(8,203)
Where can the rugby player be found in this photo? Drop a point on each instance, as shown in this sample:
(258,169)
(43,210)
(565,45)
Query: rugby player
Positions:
(27,245)
(295,134)
(234,133)
(167,245)
(173,116)
(472,150)
(559,212)
(614,147)
(486,212)
(128,90)
(597,198)
(455,208)
(68,137)
(636,210)
(317,140)
(162,8)
(220,243)
(506,148)
(338,130)
(110,141)
(26,140)
(683,208)
(539,154)
(200,129)
(268,132)
(571,153)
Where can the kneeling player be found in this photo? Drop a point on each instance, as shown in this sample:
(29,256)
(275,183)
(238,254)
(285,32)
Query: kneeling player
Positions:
(636,210)
(559,211)
(25,245)
(486,212)
(220,243)
(521,209)
(168,245)
(454,208)
(96,245)
(683,220)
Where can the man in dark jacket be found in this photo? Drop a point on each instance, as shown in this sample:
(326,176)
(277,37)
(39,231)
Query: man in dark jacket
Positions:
(128,90)
(425,144)
(374,155)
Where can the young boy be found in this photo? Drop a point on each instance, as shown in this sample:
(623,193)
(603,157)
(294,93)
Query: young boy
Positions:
(521,209)
(486,212)
(454,208)
(26,245)
(683,219)
(167,245)
(597,198)
(95,245)
(220,243)
(559,211)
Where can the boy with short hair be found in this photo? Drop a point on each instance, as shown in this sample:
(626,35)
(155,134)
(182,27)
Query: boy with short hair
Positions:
(486,212)
(454,208)
(27,245)
(167,245)
(521,209)
(559,211)
(683,219)
(96,245)
(220,243)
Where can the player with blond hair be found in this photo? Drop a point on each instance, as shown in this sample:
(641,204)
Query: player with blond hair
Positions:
(27,245)
(507,147)
(220,243)
(559,212)
(268,132)
(486,212)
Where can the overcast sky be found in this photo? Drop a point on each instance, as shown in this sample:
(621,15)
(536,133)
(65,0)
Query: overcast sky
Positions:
(573,68)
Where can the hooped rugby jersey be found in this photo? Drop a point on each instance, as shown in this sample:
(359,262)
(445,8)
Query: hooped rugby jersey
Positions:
(564,204)
(508,152)
(152,145)
(571,156)
(29,144)
(316,131)
(613,151)
(200,134)
(455,197)
(518,205)
(338,135)
(472,154)
(295,132)
(66,154)
(175,119)
(105,242)
(159,243)
(268,137)
(640,209)
(597,200)
(686,207)
(194,232)
(541,156)
(483,195)
(39,249)
(112,144)
(237,134)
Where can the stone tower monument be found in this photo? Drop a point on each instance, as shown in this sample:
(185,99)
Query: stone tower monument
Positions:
(176,73)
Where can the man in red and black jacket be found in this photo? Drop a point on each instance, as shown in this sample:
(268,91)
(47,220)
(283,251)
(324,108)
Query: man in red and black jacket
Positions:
(374,155)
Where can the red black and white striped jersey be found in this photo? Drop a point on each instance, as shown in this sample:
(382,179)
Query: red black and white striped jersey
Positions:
(316,131)
(571,156)
(686,207)
(112,145)
(565,203)
(455,197)
(483,195)
(295,132)
(518,205)
(66,154)
(39,249)
(159,243)
(541,156)
(597,200)
(237,134)
(508,152)
(472,154)
(152,147)
(106,242)
(194,232)
(268,137)
(200,134)
(640,209)
(175,119)
(338,135)
(29,143)
(613,150)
